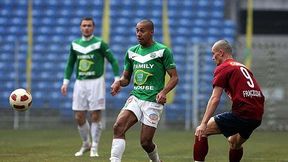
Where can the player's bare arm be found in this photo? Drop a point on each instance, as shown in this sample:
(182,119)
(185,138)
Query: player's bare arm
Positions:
(210,109)
(122,82)
(125,78)
(161,96)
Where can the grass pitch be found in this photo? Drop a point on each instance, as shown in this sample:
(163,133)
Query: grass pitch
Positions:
(59,145)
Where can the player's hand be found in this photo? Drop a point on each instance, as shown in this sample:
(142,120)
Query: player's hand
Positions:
(161,98)
(200,130)
(115,88)
(64,89)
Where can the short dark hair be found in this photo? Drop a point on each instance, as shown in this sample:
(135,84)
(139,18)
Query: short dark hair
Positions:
(149,22)
(87,18)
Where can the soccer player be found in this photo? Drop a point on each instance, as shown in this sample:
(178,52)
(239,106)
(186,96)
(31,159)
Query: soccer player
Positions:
(88,54)
(148,61)
(247,105)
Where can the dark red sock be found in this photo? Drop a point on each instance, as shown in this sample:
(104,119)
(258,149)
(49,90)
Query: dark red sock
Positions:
(200,148)
(235,155)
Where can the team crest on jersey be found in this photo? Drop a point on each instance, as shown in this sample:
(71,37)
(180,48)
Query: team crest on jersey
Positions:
(93,46)
(152,55)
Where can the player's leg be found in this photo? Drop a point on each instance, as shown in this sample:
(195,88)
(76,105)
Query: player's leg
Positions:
(147,134)
(80,107)
(151,116)
(201,146)
(95,92)
(96,130)
(83,129)
(236,149)
(124,121)
(245,129)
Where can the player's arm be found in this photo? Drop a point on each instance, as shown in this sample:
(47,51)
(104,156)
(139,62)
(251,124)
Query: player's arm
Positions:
(210,109)
(111,59)
(125,78)
(69,66)
(161,96)
(170,67)
(122,82)
(68,71)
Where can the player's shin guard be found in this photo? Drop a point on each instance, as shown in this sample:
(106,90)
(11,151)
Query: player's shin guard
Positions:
(200,148)
(84,132)
(117,150)
(96,129)
(154,156)
(235,155)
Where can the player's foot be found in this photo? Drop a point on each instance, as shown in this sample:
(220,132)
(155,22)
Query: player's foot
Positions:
(83,149)
(151,161)
(94,152)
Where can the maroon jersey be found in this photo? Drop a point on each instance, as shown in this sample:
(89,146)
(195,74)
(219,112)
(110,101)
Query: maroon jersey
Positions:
(242,88)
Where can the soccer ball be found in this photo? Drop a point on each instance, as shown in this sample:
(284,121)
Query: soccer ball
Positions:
(20,99)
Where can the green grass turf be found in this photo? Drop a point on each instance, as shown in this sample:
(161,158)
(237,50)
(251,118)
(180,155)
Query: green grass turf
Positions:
(59,145)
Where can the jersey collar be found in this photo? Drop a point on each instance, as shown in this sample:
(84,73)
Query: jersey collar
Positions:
(87,39)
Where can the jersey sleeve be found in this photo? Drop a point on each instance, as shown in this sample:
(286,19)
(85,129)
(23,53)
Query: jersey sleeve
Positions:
(70,64)
(110,57)
(168,59)
(220,78)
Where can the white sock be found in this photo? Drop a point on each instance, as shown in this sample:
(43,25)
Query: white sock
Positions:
(84,132)
(114,159)
(96,129)
(154,157)
(117,150)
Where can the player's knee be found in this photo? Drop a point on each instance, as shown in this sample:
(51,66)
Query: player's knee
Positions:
(118,130)
(80,119)
(144,144)
(96,116)
(147,145)
(234,143)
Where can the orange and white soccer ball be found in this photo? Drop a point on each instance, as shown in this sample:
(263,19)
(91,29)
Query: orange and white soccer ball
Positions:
(20,99)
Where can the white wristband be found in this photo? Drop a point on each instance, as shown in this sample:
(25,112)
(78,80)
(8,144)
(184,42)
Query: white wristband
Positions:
(65,81)
(116,78)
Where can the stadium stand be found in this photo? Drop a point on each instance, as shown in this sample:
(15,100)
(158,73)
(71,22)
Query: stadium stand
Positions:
(55,25)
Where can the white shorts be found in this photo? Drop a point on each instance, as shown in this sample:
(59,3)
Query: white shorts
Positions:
(149,113)
(89,95)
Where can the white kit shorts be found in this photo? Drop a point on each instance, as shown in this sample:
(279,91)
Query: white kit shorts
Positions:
(148,113)
(89,95)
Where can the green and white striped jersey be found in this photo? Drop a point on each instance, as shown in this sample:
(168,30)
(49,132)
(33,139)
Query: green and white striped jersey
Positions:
(149,66)
(88,56)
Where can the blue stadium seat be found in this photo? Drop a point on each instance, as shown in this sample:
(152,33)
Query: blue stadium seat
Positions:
(215,23)
(212,31)
(203,14)
(217,14)
(218,5)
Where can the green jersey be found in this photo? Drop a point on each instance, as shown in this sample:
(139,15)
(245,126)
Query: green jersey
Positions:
(149,66)
(88,56)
